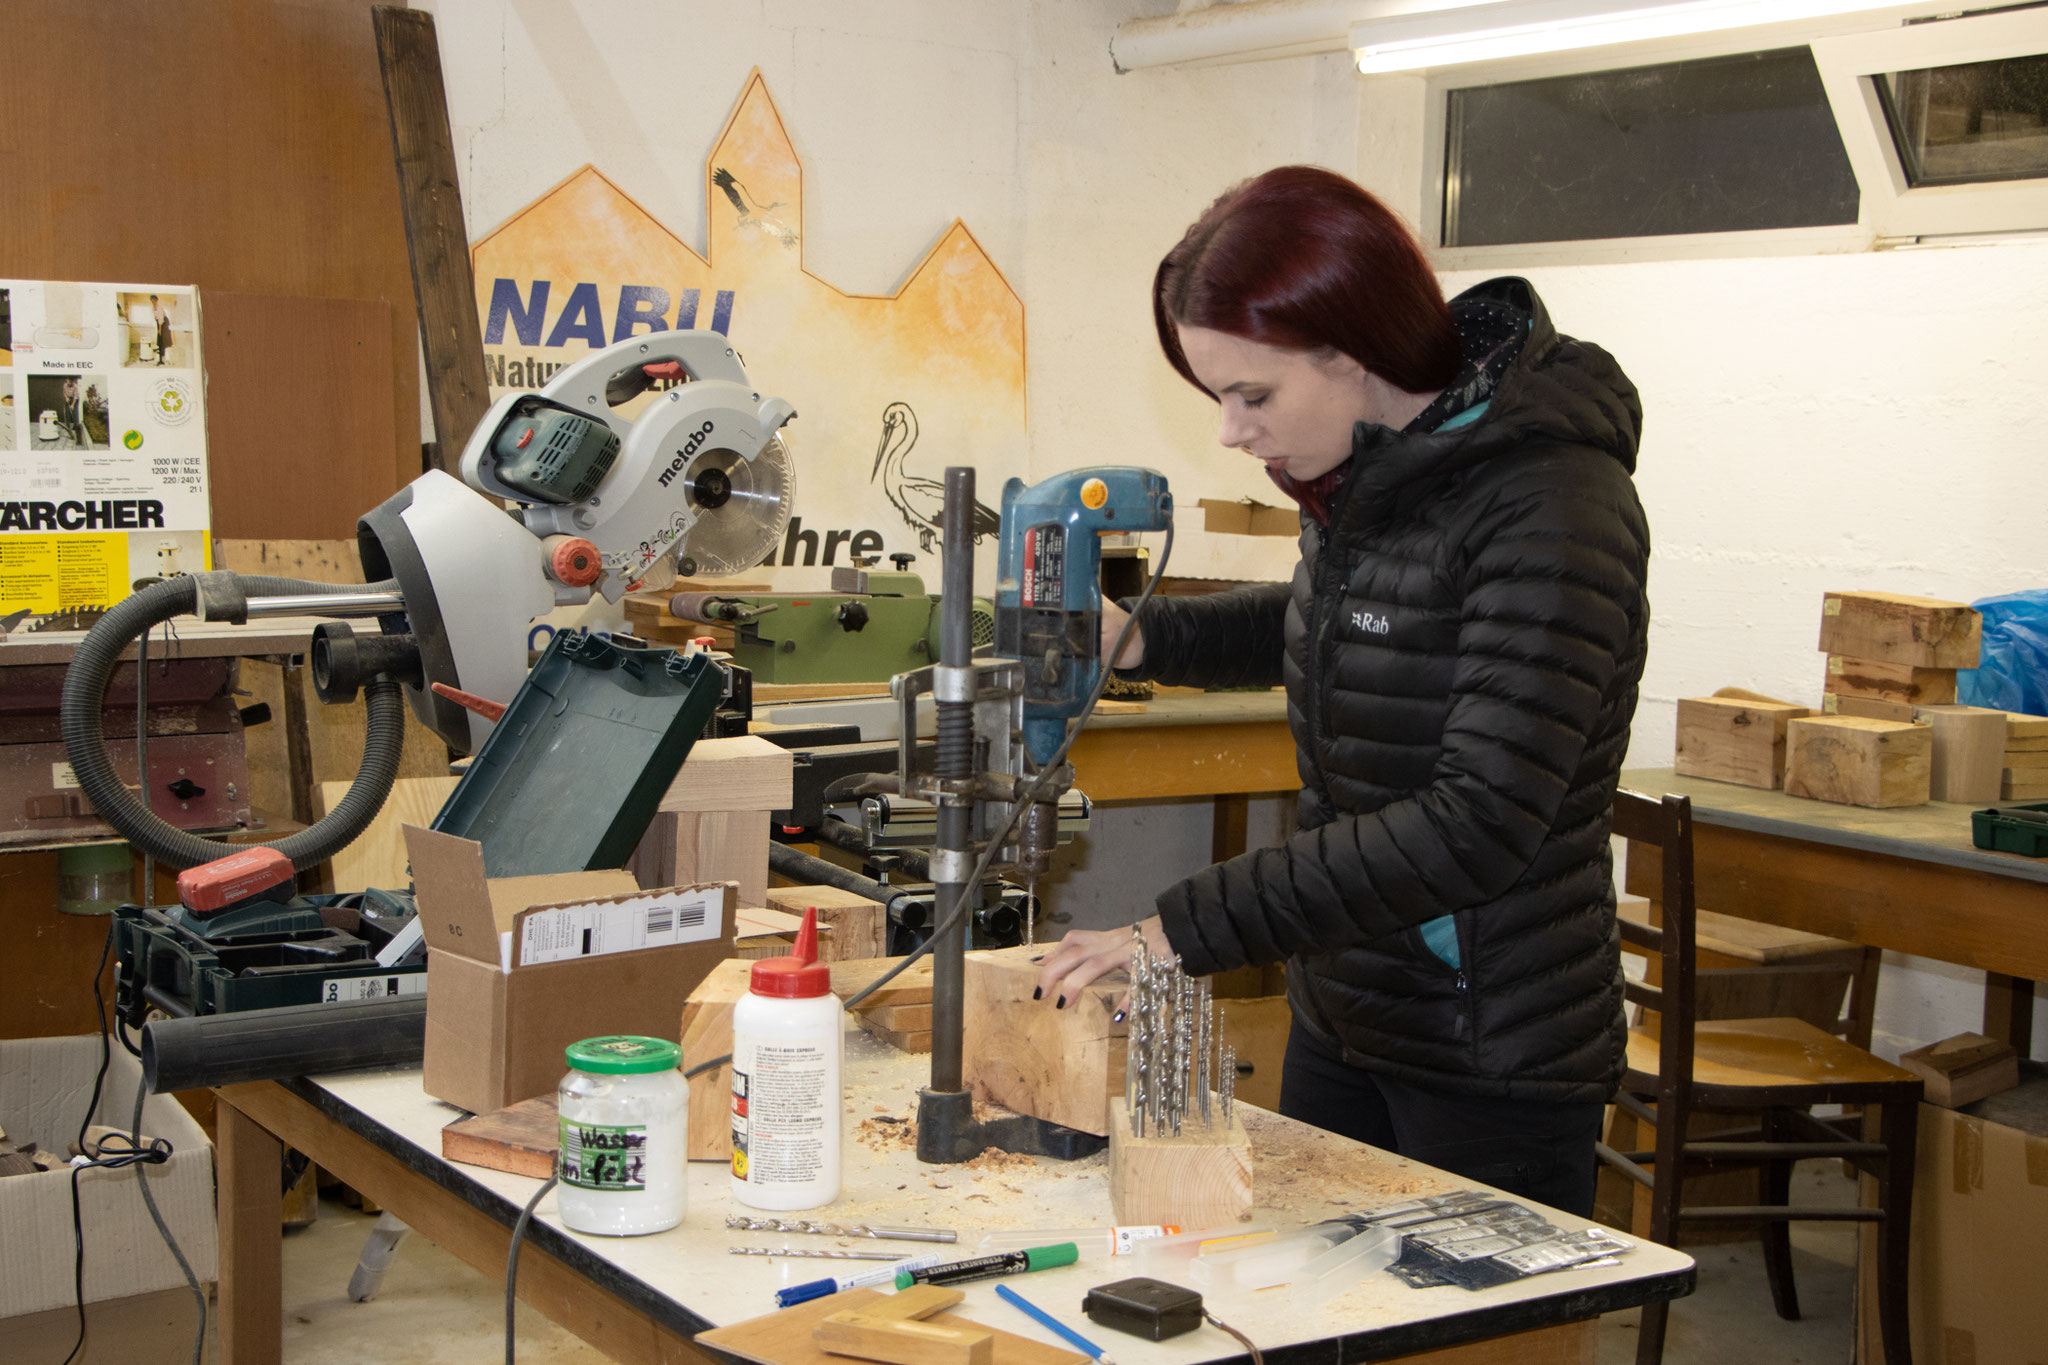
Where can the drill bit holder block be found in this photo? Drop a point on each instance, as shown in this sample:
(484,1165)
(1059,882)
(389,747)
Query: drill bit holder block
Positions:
(1177,1151)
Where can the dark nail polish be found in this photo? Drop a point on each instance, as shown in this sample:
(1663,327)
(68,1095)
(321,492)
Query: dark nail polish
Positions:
(1038,992)
(1060,1003)
(1039,958)
(1117,1018)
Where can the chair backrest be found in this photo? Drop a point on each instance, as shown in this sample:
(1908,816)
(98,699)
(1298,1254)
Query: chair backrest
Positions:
(1666,825)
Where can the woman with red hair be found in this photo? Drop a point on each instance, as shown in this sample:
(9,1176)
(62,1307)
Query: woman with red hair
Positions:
(1461,646)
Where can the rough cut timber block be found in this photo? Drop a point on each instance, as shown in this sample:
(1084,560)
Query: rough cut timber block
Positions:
(2025,761)
(913,986)
(1729,740)
(1870,708)
(1889,628)
(1201,1179)
(2025,784)
(744,772)
(1060,1065)
(1859,762)
(1969,752)
(687,847)
(860,927)
(707,1033)
(1881,681)
(1963,1069)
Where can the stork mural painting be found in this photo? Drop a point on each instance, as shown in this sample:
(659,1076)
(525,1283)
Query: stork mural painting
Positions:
(585,266)
(920,499)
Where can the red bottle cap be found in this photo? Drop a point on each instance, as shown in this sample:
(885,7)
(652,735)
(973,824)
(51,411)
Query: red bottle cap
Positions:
(799,976)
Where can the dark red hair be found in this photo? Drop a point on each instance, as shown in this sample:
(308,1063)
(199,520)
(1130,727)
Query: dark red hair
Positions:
(1302,258)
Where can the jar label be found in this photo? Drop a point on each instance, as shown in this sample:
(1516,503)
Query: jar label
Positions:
(781,1107)
(599,1156)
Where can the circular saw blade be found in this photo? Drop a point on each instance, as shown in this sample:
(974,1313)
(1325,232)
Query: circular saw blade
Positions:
(734,533)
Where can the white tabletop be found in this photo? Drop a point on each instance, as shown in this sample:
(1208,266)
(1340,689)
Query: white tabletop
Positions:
(1301,1175)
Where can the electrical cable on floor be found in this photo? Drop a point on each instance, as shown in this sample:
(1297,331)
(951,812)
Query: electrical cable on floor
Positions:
(156,1216)
(1038,789)
(1258,1357)
(512,1259)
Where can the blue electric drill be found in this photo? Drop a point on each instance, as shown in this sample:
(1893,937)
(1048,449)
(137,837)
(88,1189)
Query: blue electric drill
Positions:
(1048,593)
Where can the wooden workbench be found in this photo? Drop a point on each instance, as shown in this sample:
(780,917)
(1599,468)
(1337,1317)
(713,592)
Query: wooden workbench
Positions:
(1905,878)
(643,1299)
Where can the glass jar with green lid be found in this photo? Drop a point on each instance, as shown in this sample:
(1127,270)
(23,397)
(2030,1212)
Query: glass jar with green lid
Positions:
(624,1113)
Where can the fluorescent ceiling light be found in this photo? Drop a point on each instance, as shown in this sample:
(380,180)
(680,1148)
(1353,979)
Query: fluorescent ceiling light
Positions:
(1489,32)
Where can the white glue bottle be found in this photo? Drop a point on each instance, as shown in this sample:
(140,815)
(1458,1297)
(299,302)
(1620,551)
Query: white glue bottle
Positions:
(787,1037)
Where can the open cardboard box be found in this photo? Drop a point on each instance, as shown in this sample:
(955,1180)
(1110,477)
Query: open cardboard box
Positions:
(1248,518)
(521,967)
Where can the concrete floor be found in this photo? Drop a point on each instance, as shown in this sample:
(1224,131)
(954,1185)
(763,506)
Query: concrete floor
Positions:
(434,1310)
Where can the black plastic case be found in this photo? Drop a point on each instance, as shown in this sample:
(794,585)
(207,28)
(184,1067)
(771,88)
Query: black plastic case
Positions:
(1144,1307)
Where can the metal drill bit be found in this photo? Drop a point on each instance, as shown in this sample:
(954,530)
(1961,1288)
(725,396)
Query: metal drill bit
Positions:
(1031,911)
(811,1255)
(743,1223)
(1227,1066)
(1202,1048)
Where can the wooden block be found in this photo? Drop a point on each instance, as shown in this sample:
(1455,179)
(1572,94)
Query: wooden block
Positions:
(914,1040)
(784,1336)
(904,1343)
(1201,1179)
(912,987)
(1859,762)
(860,927)
(1873,678)
(2023,761)
(743,772)
(688,847)
(707,1033)
(2025,785)
(1870,708)
(1891,628)
(1963,1069)
(902,1018)
(2023,728)
(519,1138)
(1732,740)
(376,857)
(1060,1065)
(1969,752)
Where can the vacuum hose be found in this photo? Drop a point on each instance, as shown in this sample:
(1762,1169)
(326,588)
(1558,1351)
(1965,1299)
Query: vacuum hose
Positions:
(85,690)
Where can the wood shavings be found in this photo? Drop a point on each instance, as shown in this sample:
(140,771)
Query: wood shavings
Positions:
(996,1159)
(885,1134)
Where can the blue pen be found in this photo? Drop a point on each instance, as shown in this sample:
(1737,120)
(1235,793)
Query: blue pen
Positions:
(1051,1323)
(818,1289)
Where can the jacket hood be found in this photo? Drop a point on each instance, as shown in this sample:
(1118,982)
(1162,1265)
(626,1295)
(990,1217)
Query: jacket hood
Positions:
(1557,389)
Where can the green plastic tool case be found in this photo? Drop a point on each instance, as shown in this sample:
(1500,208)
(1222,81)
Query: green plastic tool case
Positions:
(2010,830)
(567,780)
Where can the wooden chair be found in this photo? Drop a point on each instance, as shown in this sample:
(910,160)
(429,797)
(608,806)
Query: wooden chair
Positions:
(1775,1069)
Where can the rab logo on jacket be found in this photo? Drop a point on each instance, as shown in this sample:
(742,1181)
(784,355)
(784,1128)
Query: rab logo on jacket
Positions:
(1370,624)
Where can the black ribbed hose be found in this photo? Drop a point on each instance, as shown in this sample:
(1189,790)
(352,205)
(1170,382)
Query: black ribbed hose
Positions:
(85,741)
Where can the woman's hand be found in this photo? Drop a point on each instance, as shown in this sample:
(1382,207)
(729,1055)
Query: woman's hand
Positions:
(1085,954)
(1113,618)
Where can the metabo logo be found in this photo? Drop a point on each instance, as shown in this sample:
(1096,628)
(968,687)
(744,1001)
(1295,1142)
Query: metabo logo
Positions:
(682,458)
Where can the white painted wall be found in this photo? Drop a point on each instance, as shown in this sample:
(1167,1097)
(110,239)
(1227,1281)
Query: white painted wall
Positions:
(1816,422)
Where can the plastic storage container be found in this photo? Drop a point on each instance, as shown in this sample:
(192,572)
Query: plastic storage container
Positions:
(788,1034)
(2015,829)
(625,1137)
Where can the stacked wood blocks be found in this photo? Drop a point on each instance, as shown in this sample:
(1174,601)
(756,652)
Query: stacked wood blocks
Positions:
(712,824)
(1887,655)
(2024,764)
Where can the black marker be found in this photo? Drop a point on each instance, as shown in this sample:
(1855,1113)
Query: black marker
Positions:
(989,1267)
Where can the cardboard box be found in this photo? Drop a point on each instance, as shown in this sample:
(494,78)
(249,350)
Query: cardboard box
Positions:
(1247,518)
(1980,1200)
(497,1018)
(44,1086)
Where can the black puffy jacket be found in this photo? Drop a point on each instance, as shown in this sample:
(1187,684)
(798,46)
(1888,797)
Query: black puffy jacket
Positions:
(1461,648)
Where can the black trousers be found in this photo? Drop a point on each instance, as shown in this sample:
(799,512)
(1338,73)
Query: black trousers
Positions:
(1537,1149)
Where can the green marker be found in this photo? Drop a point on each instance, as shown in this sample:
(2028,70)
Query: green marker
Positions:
(989,1267)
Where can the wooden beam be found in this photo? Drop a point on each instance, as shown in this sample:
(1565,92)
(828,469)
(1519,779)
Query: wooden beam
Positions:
(250,1205)
(436,238)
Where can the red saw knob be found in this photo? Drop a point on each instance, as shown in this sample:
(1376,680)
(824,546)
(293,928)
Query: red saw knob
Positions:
(574,561)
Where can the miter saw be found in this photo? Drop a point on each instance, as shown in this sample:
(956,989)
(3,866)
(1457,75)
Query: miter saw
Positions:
(698,482)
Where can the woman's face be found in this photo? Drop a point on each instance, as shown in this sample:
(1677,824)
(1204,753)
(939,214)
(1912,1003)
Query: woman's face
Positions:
(1292,409)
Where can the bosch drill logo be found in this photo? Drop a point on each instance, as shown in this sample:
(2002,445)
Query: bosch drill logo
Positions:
(675,466)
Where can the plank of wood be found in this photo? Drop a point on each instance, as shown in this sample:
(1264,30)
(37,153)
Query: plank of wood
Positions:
(784,1336)
(376,857)
(912,987)
(897,1342)
(1968,753)
(250,1198)
(2025,785)
(707,1033)
(688,847)
(436,238)
(1870,708)
(768,694)
(860,927)
(915,1040)
(1893,628)
(2020,726)
(1744,694)
(2021,761)
(902,1018)
(1859,762)
(1201,1179)
(1060,1065)
(738,773)
(1733,740)
(521,1138)
(1880,681)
